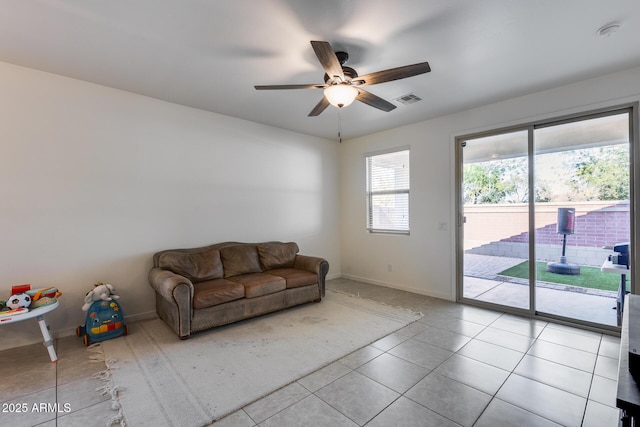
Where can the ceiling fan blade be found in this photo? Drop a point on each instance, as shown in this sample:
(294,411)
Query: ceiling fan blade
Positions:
(319,108)
(374,100)
(276,87)
(392,74)
(328,59)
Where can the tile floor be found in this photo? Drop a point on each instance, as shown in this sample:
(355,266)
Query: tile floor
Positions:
(457,366)
(35,391)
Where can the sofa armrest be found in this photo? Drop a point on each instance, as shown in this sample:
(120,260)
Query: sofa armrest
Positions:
(174,299)
(317,265)
(165,283)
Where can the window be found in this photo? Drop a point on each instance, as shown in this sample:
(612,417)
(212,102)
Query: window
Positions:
(388,192)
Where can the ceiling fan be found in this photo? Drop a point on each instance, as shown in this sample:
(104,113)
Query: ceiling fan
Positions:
(342,85)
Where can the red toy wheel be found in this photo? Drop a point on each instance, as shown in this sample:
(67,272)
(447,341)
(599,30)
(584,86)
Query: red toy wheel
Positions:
(85,339)
(126,330)
(79,330)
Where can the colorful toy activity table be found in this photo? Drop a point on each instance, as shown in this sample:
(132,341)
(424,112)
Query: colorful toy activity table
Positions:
(38,313)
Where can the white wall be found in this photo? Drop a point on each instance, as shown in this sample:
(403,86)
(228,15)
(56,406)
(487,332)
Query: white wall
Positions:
(424,262)
(94,180)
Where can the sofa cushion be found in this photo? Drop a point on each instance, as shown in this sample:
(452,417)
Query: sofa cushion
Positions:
(277,255)
(196,266)
(240,259)
(295,278)
(214,292)
(258,284)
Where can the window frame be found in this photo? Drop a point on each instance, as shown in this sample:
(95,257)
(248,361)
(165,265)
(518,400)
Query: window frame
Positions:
(368,157)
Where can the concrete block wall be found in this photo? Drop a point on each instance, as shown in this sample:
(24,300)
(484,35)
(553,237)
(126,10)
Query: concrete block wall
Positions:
(581,255)
(502,230)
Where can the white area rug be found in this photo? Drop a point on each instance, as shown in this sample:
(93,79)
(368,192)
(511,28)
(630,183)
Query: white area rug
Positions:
(167,382)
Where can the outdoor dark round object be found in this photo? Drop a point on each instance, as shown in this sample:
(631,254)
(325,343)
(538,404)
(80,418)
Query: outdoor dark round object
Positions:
(563,268)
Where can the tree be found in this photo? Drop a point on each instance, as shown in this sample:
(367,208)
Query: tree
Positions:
(500,181)
(483,183)
(601,173)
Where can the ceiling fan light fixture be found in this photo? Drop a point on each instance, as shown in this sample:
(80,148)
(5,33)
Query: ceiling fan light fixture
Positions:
(341,94)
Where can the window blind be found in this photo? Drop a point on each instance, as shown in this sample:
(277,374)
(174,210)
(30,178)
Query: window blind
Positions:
(388,192)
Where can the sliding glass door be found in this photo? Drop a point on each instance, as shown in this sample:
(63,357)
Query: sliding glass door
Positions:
(495,188)
(541,208)
(582,175)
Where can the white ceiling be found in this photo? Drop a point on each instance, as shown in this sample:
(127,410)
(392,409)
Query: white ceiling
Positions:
(209,54)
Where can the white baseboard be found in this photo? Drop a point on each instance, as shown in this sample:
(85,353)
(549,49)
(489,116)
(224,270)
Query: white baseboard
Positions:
(333,276)
(411,289)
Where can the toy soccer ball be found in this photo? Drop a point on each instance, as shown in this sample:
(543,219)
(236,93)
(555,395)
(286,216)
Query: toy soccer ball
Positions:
(18,301)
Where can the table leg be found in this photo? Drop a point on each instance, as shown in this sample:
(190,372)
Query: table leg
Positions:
(626,420)
(48,342)
(622,291)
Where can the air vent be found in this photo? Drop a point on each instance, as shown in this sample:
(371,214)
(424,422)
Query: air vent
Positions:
(410,98)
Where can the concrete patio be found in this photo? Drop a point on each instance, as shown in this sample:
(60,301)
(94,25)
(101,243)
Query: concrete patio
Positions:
(482,283)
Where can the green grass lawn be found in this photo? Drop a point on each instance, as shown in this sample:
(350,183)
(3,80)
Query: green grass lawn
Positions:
(589,277)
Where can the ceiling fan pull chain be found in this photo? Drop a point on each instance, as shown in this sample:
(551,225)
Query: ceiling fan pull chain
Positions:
(340,125)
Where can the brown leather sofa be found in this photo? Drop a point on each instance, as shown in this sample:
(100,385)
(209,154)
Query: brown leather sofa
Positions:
(200,288)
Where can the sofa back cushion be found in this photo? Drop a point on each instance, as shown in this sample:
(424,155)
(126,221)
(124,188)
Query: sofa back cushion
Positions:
(195,266)
(277,254)
(240,259)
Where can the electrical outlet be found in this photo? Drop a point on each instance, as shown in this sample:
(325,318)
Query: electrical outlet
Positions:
(443,226)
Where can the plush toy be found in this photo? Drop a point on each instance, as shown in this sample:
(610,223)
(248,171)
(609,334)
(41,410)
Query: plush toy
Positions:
(99,292)
(104,319)
(18,300)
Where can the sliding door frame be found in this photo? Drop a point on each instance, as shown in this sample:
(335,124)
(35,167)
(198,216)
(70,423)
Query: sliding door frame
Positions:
(632,109)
